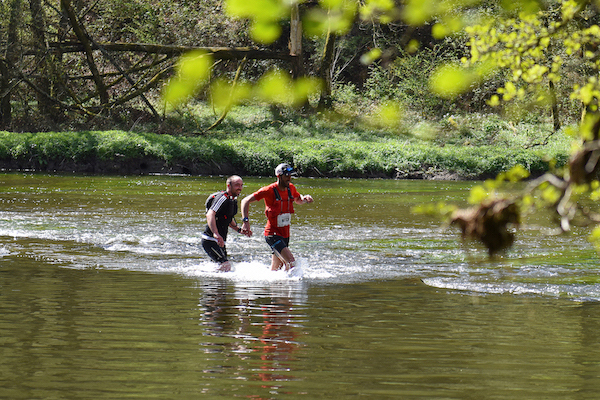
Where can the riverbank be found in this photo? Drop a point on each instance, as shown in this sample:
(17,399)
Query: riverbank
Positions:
(252,140)
(119,152)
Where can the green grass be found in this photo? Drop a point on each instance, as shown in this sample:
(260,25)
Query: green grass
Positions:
(253,142)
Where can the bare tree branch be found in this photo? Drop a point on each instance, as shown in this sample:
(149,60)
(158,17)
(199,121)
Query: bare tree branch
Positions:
(87,48)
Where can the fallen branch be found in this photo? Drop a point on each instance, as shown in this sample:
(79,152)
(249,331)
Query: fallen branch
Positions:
(224,53)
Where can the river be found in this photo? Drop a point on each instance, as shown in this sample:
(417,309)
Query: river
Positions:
(106,293)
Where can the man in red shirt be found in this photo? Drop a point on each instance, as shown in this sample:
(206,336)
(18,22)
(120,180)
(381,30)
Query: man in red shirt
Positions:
(279,206)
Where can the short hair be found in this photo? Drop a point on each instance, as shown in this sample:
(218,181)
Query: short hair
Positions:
(232,178)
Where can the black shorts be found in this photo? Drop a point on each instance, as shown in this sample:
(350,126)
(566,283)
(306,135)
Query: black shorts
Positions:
(277,243)
(215,252)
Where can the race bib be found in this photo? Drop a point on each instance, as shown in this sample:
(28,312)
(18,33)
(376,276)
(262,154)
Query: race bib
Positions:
(284,220)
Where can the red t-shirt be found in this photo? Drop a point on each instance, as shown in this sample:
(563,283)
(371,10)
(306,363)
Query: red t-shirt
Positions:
(274,207)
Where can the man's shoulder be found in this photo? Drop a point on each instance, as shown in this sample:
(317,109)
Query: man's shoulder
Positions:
(265,190)
(221,194)
(221,198)
(210,200)
(294,191)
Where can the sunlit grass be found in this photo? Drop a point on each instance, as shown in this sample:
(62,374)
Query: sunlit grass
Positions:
(255,139)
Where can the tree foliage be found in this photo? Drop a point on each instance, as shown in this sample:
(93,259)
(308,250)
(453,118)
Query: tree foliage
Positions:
(83,63)
(534,42)
(59,60)
(536,47)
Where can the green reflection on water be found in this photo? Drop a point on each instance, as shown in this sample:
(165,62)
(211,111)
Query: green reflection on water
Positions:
(113,334)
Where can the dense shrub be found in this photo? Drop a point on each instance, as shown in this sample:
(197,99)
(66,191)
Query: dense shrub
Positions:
(249,142)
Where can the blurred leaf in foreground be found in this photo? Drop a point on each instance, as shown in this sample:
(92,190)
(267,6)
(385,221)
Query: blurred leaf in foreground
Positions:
(192,72)
(278,87)
(264,14)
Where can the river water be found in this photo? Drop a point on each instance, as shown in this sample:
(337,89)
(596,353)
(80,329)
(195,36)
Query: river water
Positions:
(106,293)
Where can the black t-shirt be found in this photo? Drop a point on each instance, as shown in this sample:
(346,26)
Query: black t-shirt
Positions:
(225,208)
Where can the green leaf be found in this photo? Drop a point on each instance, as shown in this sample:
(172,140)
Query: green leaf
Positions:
(380,9)
(478,194)
(194,66)
(550,194)
(595,237)
(304,88)
(517,173)
(525,7)
(390,114)
(447,27)
(176,91)
(494,101)
(417,12)
(266,31)
(275,87)
(258,9)
(370,57)
(413,46)
(320,22)
(192,72)
(224,94)
(450,80)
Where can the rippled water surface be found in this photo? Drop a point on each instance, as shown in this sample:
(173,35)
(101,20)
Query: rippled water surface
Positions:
(105,292)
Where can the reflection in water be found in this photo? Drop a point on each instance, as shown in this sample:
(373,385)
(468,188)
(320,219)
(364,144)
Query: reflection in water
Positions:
(80,334)
(278,340)
(216,316)
(263,324)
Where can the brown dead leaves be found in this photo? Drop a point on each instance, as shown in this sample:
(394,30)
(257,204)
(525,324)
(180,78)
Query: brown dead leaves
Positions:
(489,223)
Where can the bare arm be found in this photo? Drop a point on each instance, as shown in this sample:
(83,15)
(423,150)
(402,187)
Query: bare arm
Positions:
(245,212)
(246,205)
(238,228)
(211,220)
(303,199)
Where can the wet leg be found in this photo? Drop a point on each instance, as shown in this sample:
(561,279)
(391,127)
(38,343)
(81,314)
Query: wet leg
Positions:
(284,258)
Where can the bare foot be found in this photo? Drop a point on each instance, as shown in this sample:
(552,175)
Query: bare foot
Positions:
(225,267)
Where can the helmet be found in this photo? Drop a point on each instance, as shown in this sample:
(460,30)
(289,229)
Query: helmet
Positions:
(284,169)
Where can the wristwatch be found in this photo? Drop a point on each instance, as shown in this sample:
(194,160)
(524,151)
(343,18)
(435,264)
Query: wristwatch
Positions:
(245,219)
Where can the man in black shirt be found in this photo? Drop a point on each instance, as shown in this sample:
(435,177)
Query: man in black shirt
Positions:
(220,215)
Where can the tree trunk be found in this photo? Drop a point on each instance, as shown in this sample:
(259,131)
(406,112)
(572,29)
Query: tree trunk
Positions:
(43,60)
(5,108)
(217,53)
(555,116)
(296,43)
(325,102)
(10,57)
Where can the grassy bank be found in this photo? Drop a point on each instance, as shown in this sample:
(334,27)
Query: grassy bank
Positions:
(465,149)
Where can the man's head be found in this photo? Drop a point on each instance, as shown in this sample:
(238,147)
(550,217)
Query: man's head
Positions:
(284,169)
(284,173)
(235,184)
